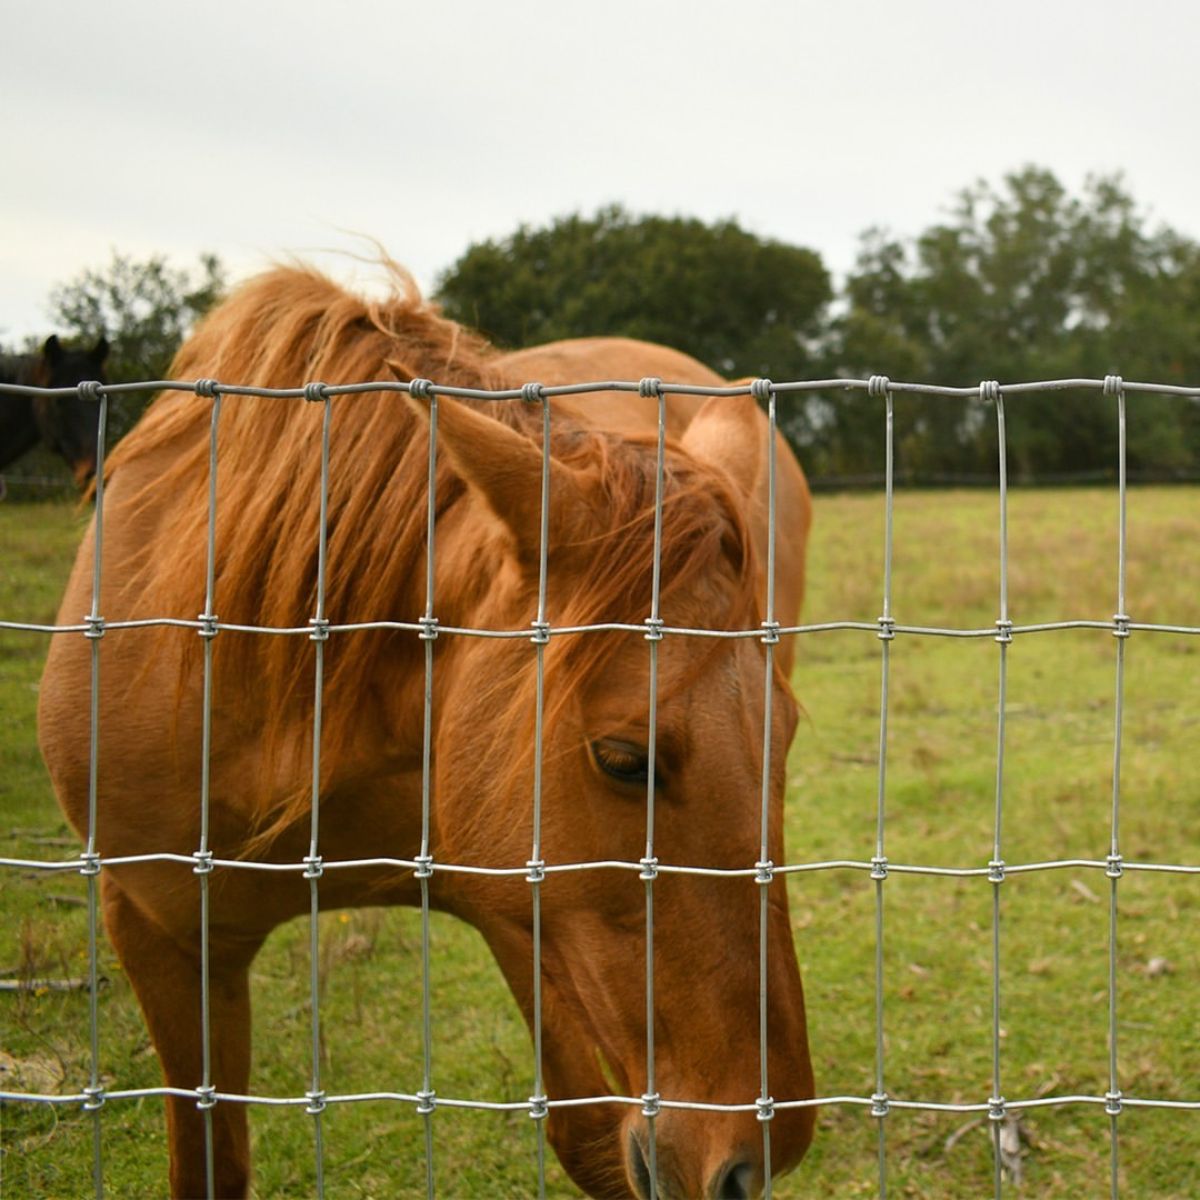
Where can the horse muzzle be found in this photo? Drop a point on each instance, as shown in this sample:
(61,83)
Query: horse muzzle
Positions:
(710,1157)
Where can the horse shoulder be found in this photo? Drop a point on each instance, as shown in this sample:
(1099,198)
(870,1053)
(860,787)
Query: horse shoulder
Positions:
(130,533)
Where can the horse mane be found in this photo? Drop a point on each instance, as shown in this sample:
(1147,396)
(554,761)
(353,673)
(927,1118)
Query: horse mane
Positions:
(293,325)
(284,328)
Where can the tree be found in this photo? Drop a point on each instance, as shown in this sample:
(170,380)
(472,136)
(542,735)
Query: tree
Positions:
(145,308)
(742,304)
(1026,282)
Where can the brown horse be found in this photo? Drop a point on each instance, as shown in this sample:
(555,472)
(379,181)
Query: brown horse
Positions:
(293,325)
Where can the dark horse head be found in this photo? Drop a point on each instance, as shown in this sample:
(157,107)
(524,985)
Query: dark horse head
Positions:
(66,424)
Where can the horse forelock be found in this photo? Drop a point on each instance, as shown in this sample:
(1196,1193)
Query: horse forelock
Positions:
(708,574)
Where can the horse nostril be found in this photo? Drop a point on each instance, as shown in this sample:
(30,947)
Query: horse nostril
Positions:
(638,1168)
(735,1183)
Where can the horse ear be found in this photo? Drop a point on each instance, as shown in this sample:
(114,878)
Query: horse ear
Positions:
(728,433)
(100,350)
(51,348)
(504,468)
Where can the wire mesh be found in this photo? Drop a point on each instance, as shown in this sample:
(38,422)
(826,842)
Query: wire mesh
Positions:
(94,1097)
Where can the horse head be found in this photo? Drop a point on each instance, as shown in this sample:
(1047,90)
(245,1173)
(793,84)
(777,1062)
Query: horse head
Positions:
(603,757)
(67,423)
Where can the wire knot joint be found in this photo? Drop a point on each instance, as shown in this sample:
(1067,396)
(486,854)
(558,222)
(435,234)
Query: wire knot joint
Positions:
(878,387)
(879,866)
(206,1097)
(538,1108)
(766,1108)
(533,393)
(1112,1103)
(541,633)
(90,389)
(764,872)
(95,1099)
(1115,866)
(316,1103)
(989,391)
(651,1104)
(314,866)
(537,871)
(424,866)
(420,389)
(95,627)
(654,629)
(997,1108)
(996,870)
(1005,631)
(208,625)
(887,629)
(207,388)
(1120,625)
(650,386)
(880,1105)
(426,1102)
(89,864)
(649,869)
(429,629)
(315,393)
(202,862)
(761,390)
(1114,385)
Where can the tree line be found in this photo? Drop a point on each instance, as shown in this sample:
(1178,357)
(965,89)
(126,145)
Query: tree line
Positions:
(1019,280)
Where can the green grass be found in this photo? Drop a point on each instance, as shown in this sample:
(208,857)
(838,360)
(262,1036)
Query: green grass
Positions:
(940,809)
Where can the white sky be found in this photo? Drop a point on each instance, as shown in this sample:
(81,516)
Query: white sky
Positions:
(259,129)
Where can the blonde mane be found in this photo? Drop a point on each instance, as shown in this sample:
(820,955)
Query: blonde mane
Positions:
(291,326)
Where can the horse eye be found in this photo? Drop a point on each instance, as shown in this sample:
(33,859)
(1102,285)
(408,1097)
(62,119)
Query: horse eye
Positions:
(623,762)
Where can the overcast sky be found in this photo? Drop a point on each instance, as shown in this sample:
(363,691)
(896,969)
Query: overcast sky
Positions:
(257,130)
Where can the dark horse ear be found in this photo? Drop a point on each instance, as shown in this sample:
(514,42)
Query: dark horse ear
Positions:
(100,351)
(504,468)
(52,348)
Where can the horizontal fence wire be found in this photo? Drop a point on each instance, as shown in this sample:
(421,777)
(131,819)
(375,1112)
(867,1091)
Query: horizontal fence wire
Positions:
(94,1096)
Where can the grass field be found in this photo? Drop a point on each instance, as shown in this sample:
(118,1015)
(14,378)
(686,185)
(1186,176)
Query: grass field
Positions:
(940,799)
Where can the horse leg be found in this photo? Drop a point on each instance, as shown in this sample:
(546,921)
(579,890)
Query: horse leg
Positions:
(165,974)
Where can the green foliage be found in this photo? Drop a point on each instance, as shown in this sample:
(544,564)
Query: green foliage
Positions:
(741,304)
(1025,282)
(145,307)
(1020,280)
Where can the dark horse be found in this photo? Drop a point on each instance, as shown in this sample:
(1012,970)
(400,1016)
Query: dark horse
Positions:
(65,423)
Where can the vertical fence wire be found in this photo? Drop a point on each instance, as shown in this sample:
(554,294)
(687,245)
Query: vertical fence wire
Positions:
(991,390)
(90,865)
(313,865)
(652,387)
(203,867)
(1113,386)
(887,633)
(536,865)
(764,868)
(426,1096)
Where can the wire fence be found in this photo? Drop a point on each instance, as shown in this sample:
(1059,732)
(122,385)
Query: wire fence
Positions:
(94,1097)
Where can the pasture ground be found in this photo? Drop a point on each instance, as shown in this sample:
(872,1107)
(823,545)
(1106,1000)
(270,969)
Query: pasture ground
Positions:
(940,796)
